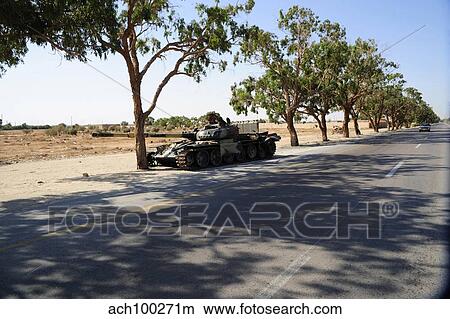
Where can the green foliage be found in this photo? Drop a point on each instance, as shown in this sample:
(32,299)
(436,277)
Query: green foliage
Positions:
(425,114)
(79,128)
(56,130)
(52,132)
(312,70)
(67,25)
(280,90)
(182,122)
(323,68)
(62,129)
(253,94)
(301,69)
(173,122)
(149,120)
(72,131)
(205,119)
(400,106)
(24,126)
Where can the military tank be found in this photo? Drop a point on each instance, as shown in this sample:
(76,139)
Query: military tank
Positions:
(213,145)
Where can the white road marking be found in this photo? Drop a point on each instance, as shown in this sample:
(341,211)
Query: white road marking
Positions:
(286,275)
(418,145)
(394,169)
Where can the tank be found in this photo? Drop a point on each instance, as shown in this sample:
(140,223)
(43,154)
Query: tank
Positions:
(214,145)
(211,146)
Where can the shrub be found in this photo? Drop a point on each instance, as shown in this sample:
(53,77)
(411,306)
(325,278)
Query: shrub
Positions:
(71,131)
(52,131)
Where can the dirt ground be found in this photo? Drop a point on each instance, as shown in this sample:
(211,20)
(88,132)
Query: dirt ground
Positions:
(21,146)
(42,167)
(18,146)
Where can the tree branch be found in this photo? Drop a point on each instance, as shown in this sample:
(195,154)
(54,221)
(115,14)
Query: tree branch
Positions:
(172,46)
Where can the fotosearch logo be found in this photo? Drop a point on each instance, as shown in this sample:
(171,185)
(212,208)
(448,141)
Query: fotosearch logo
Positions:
(307,220)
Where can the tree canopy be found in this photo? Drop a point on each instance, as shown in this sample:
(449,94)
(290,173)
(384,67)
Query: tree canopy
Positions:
(66,25)
(310,69)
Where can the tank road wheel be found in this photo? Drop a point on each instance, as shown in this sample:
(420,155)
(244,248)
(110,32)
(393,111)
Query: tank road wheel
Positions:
(190,159)
(186,160)
(251,151)
(202,159)
(215,157)
(271,148)
(240,157)
(228,158)
(262,153)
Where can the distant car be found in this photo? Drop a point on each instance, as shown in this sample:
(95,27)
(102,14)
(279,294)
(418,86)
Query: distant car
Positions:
(425,127)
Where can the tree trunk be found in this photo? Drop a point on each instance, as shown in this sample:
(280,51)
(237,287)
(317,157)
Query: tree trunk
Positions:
(291,129)
(139,127)
(374,124)
(345,130)
(141,151)
(323,127)
(393,123)
(355,122)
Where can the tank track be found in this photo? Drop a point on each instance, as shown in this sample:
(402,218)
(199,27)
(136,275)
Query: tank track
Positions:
(182,161)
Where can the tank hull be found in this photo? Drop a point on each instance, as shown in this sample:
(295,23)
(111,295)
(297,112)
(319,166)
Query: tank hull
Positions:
(193,155)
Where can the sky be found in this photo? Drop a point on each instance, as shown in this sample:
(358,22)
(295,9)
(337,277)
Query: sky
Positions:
(47,89)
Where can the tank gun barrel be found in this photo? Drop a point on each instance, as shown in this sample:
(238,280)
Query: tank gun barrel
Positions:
(187,135)
(111,134)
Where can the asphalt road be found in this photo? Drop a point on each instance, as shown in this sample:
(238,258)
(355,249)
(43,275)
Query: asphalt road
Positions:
(405,173)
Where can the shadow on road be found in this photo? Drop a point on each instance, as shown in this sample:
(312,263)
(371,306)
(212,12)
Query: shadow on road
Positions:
(74,265)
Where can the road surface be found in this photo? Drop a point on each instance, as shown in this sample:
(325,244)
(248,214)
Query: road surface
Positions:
(406,169)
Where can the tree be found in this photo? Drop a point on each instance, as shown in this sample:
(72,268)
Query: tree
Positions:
(281,90)
(373,105)
(264,92)
(153,28)
(407,106)
(145,31)
(204,119)
(149,121)
(173,122)
(425,114)
(363,69)
(394,102)
(322,65)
